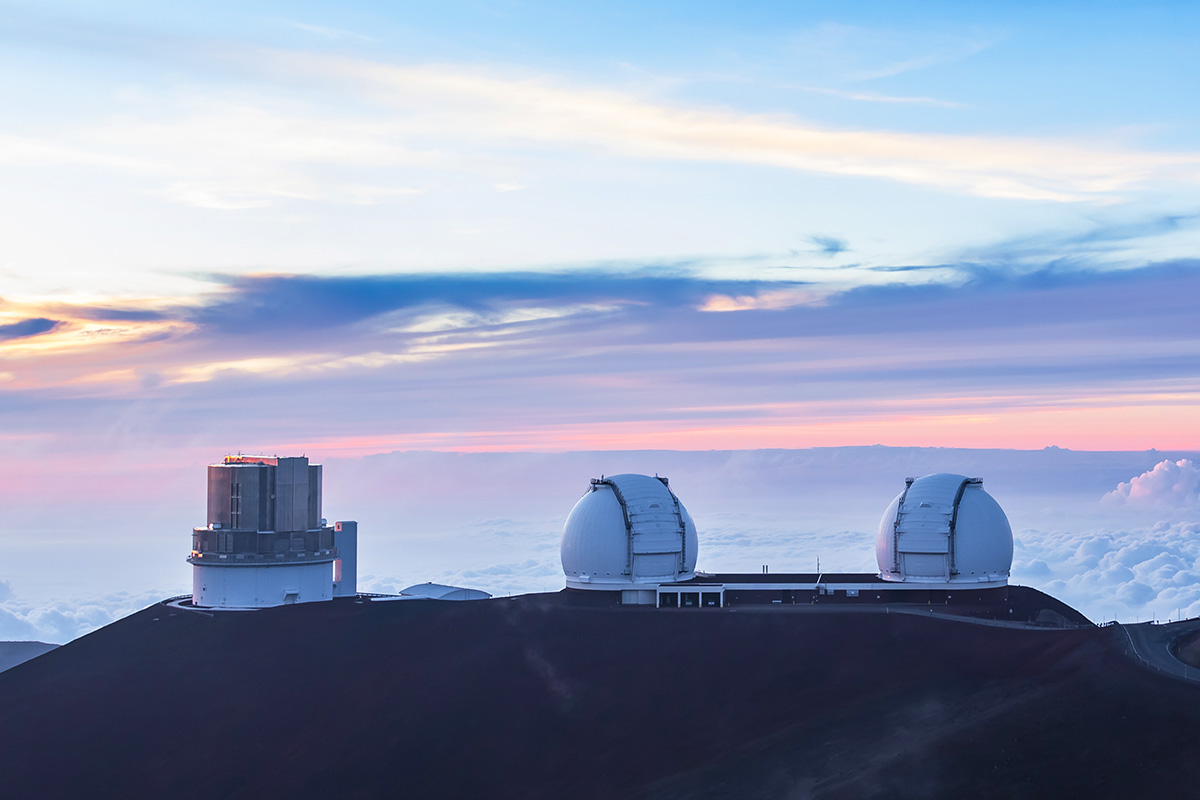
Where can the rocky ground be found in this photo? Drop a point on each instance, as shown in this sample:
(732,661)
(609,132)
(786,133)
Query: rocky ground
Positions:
(1189,651)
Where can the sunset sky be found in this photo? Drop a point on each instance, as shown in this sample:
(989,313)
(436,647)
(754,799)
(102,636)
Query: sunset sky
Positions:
(364,227)
(358,228)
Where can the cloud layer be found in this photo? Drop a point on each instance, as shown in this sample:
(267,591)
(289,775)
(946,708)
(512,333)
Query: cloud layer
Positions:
(611,358)
(27,327)
(1170,485)
(65,619)
(1128,574)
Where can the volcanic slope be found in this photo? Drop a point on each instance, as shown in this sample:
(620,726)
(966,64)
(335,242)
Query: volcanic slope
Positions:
(13,653)
(542,696)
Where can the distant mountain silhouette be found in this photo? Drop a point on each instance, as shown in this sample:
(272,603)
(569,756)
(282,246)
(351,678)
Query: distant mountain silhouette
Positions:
(565,696)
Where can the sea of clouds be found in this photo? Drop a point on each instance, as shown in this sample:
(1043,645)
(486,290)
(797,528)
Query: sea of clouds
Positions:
(1116,535)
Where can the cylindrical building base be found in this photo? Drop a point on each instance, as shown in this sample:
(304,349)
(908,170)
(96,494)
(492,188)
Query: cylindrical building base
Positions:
(261,586)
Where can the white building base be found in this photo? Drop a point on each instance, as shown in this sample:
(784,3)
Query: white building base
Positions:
(261,586)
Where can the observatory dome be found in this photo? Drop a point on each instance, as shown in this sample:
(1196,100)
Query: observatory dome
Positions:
(944,528)
(628,530)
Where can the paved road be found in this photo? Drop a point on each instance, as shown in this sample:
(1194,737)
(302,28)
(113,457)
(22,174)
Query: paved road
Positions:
(1151,644)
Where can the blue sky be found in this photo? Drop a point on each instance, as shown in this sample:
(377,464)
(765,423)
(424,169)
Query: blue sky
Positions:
(147,142)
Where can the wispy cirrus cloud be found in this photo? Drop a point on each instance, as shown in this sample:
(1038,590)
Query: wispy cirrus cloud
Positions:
(1094,244)
(223,151)
(541,109)
(336,34)
(858,53)
(876,97)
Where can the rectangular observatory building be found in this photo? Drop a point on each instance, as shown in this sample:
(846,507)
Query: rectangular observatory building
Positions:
(266,543)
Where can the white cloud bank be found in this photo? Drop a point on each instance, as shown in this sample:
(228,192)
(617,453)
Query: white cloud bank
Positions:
(1129,575)
(1171,484)
(62,620)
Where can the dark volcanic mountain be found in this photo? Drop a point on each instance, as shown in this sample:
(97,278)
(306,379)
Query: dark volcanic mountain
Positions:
(13,653)
(548,696)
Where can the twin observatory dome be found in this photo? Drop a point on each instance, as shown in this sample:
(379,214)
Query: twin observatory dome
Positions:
(631,534)
(629,540)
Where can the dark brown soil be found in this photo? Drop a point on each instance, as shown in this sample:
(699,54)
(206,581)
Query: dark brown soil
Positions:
(1189,650)
(537,697)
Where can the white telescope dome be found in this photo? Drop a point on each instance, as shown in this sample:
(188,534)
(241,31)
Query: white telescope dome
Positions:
(944,528)
(628,530)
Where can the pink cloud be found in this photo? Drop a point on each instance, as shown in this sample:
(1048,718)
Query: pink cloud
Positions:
(1174,484)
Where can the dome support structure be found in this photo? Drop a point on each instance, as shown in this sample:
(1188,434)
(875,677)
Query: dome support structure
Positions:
(682,524)
(958,496)
(908,482)
(602,481)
